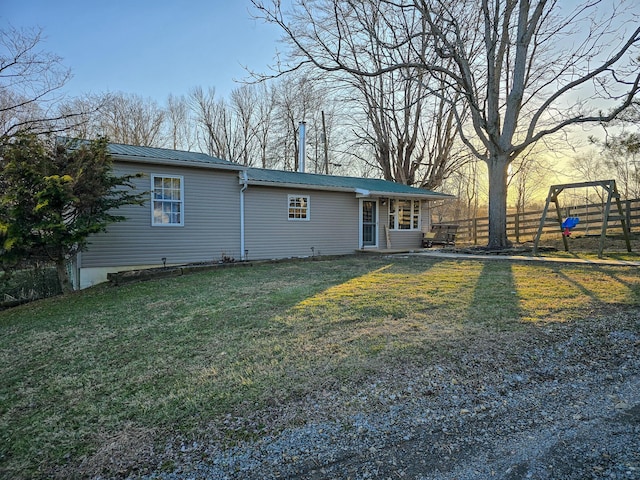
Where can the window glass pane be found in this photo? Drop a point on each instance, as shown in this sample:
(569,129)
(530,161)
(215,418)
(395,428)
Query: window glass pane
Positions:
(157,212)
(404,214)
(298,208)
(392,215)
(167,201)
(367,212)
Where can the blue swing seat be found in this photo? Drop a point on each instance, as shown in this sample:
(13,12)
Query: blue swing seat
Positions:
(570,223)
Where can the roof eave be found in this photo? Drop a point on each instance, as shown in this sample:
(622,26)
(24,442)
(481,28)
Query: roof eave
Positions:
(358,191)
(430,195)
(301,186)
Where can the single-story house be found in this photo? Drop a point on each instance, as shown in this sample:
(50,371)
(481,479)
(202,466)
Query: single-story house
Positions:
(204,209)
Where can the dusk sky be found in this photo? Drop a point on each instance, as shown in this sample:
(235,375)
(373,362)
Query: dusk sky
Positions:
(149,47)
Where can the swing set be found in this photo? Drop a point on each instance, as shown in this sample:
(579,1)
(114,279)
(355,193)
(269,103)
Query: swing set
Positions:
(570,222)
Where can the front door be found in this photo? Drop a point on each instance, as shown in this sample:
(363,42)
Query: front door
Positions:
(369,224)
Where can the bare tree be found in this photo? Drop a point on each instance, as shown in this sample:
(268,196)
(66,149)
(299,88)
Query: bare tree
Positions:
(202,105)
(259,124)
(179,123)
(587,166)
(528,177)
(616,156)
(244,103)
(517,66)
(397,129)
(81,115)
(131,119)
(621,151)
(31,80)
(464,183)
(214,123)
(297,98)
(412,135)
(265,120)
(619,158)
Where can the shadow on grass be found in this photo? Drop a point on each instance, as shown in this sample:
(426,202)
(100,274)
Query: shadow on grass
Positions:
(495,303)
(603,285)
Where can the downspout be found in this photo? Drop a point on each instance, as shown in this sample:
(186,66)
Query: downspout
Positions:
(77,264)
(245,184)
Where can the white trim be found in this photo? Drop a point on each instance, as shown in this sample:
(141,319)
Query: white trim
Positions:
(153,220)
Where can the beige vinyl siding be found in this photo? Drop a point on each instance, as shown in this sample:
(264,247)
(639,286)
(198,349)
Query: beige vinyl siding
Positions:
(425,215)
(406,238)
(332,228)
(211,222)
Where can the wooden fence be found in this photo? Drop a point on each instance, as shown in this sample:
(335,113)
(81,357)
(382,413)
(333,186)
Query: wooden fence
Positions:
(524,226)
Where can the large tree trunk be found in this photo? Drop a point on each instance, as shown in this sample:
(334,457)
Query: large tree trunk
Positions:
(63,275)
(498,165)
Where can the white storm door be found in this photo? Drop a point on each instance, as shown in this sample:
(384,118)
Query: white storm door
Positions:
(368,223)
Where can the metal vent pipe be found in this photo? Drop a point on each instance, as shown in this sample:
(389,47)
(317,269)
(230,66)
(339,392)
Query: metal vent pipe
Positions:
(301,148)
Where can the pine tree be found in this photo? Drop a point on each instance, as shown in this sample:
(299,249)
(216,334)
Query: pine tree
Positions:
(53,197)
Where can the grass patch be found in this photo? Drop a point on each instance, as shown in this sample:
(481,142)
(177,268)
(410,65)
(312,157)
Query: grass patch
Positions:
(586,247)
(116,369)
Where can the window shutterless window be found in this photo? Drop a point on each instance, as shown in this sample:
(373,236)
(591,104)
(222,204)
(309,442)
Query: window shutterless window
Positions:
(404,214)
(298,207)
(167,200)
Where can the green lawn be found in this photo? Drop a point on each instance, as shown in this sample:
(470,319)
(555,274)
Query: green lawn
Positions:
(78,373)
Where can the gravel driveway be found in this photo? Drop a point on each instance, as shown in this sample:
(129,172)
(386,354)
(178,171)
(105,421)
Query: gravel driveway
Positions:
(558,402)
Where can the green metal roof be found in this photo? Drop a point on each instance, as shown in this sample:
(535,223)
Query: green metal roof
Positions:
(179,156)
(375,186)
(274,178)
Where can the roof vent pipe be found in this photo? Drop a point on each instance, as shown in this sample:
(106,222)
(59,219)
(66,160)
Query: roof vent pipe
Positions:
(301,148)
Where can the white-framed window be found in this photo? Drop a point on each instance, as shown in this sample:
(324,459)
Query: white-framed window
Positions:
(167,200)
(298,207)
(404,214)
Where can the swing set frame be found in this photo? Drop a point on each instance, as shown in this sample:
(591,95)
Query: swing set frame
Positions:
(612,194)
